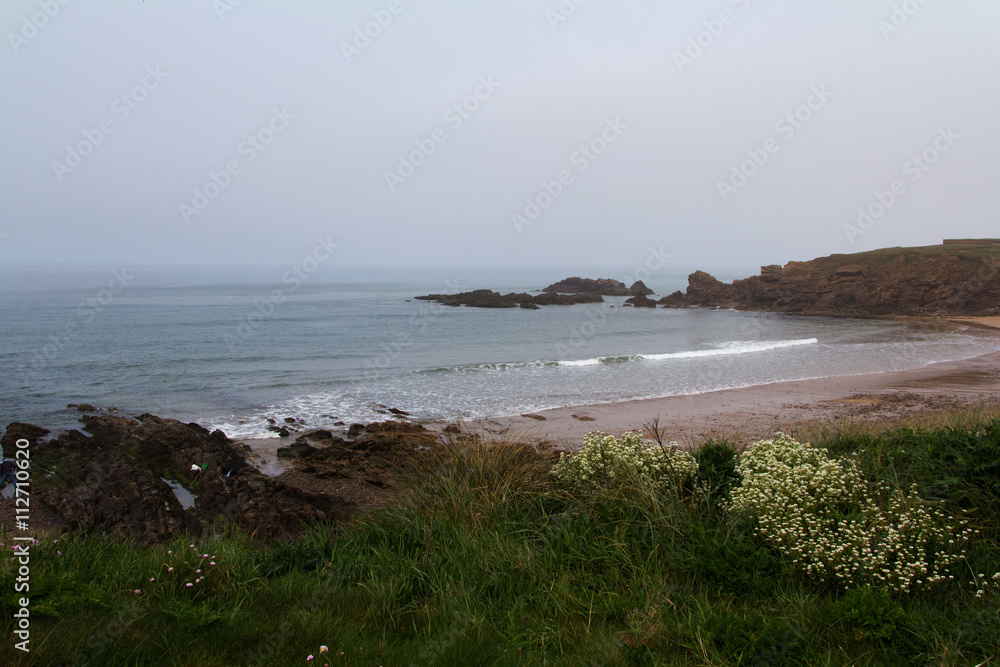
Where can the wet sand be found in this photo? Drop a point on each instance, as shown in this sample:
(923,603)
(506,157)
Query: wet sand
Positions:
(752,412)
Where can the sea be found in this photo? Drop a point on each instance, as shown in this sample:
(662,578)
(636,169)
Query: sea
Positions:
(232,348)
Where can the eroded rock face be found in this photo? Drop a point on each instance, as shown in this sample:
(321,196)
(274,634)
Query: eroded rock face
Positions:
(955,279)
(111,481)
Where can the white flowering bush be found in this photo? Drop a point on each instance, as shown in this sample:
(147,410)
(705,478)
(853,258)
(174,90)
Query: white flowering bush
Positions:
(836,526)
(605,461)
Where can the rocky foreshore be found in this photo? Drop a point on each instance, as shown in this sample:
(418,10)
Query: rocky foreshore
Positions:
(152,478)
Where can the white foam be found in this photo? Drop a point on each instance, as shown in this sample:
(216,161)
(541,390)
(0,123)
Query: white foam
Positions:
(728,348)
(734,347)
(580,362)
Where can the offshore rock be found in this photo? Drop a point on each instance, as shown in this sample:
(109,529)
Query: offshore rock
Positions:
(602,286)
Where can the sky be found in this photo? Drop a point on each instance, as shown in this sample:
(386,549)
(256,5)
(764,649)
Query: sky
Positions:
(514,133)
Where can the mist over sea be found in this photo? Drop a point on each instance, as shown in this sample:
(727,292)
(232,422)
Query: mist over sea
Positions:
(230,348)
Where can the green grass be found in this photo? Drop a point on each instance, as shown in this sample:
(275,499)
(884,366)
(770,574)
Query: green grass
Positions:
(485,562)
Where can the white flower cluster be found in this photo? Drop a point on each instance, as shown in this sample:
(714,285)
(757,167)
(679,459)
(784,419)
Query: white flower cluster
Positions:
(983,584)
(606,461)
(825,516)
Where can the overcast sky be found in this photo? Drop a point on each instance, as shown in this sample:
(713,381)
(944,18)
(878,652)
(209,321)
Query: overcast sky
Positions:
(120,120)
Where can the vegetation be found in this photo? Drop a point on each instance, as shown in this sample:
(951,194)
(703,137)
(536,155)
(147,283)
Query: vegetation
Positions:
(491,559)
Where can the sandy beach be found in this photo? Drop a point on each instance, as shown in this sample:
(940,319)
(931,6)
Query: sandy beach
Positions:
(752,412)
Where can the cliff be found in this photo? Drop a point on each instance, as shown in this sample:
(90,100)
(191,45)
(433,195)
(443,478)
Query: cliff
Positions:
(956,278)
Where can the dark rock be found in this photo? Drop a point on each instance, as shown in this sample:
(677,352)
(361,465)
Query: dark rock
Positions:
(398,412)
(490,299)
(675,300)
(638,288)
(296,450)
(289,420)
(110,482)
(20,431)
(452,429)
(641,301)
(602,286)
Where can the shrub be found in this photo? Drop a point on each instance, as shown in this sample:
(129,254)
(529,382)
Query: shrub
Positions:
(824,515)
(607,462)
(870,616)
(738,565)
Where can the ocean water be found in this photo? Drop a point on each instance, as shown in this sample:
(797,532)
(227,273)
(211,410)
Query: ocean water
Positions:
(230,348)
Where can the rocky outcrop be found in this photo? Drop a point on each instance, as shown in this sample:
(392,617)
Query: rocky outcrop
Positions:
(485,298)
(374,453)
(19,431)
(110,479)
(602,286)
(953,279)
(639,288)
(641,301)
(563,293)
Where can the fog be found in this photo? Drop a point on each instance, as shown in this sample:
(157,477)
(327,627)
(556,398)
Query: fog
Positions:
(496,134)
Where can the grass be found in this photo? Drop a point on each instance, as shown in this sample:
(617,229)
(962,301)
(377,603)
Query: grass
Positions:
(485,562)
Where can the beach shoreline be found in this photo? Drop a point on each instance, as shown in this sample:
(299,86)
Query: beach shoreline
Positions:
(761,410)
(745,413)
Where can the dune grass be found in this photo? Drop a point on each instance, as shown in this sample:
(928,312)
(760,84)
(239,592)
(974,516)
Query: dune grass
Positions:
(485,561)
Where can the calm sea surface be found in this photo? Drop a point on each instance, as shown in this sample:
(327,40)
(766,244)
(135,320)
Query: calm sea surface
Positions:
(230,348)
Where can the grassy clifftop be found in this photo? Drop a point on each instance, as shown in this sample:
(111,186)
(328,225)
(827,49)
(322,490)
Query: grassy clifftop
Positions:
(489,560)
